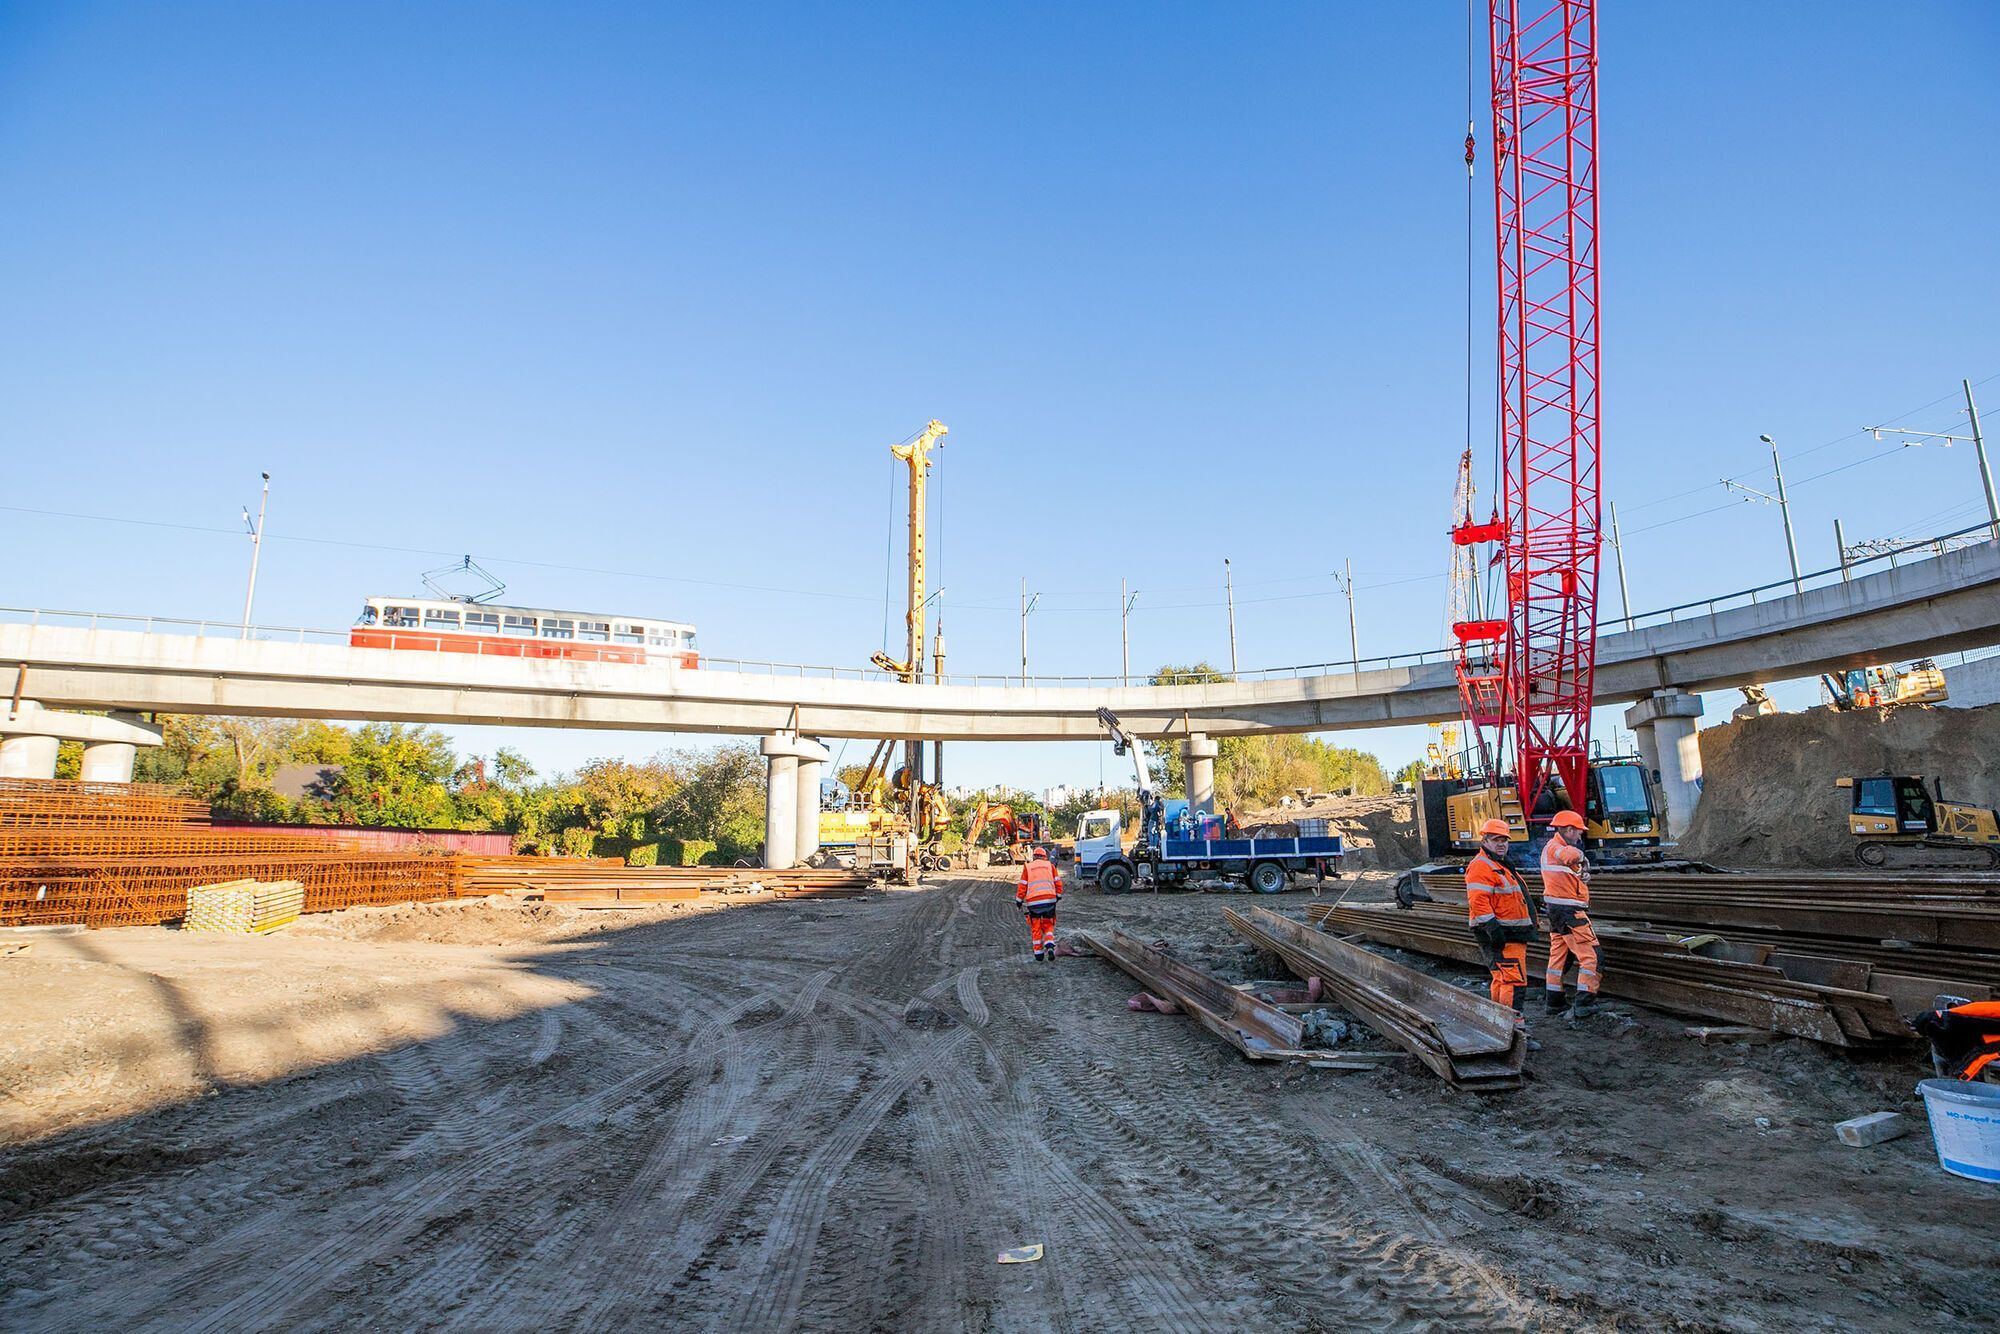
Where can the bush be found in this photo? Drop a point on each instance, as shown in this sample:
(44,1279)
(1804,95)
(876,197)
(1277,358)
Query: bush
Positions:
(686,851)
(644,854)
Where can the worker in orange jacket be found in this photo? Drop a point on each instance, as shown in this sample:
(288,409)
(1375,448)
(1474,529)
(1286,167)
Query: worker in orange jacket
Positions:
(1566,899)
(1496,904)
(1038,893)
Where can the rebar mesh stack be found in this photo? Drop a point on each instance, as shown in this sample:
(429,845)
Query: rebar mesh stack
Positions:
(114,854)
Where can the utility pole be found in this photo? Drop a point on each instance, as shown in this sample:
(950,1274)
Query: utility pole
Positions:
(256,550)
(1784,505)
(1229,595)
(1027,605)
(1125,601)
(1618,556)
(1985,473)
(1840,546)
(1784,510)
(1346,581)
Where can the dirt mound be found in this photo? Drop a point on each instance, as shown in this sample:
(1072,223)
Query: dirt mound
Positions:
(1768,797)
(1380,832)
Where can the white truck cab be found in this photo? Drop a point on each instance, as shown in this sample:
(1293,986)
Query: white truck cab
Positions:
(1097,837)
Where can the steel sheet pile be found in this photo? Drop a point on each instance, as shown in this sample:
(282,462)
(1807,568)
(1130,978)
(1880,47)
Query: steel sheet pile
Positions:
(1466,1040)
(607,883)
(1254,1027)
(1836,957)
(116,854)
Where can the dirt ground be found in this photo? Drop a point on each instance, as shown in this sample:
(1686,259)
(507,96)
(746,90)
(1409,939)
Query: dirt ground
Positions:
(835,1114)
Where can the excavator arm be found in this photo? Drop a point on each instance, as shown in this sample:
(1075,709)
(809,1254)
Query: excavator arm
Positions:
(1121,744)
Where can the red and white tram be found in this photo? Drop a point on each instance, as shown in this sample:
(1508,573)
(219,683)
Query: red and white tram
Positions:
(447,626)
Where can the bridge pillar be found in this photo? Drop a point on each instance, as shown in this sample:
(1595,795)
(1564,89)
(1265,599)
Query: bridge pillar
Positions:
(1665,728)
(812,763)
(1198,754)
(785,802)
(28,757)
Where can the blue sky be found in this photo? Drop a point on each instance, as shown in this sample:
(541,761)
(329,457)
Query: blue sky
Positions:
(628,301)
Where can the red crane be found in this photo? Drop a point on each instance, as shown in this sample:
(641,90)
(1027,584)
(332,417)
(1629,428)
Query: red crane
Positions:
(1544,62)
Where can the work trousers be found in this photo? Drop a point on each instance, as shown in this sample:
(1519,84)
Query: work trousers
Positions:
(1042,929)
(1508,974)
(1579,942)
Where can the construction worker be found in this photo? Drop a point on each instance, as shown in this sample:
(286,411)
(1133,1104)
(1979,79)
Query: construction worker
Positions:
(1038,893)
(1496,904)
(1965,1038)
(1566,898)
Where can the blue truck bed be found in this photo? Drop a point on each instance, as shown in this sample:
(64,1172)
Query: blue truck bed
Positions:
(1249,849)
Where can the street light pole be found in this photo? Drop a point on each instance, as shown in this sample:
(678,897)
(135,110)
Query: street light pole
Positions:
(256,550)
(1229,595)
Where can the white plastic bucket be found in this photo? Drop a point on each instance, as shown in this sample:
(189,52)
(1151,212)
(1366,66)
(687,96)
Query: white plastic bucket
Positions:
(1965,1126)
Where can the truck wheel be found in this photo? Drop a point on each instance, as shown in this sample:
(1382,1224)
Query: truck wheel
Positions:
(944,861)
(1115,879)
(1267,878)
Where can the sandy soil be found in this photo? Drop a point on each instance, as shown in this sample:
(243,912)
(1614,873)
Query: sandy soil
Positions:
(1380,833)
(835,1115)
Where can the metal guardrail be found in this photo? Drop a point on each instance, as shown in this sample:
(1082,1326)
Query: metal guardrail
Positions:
(93,620)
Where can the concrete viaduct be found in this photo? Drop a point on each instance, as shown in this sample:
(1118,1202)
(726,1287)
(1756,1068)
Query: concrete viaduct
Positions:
(1838,619)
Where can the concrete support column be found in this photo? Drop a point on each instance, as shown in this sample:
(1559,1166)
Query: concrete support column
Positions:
(1198,754)
(812,764)
(108,761)
(789,809)
(28,757)
(1665,728)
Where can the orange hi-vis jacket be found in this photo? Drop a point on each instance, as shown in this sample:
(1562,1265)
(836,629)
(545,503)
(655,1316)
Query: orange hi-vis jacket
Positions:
(1493,893)
(1040,886)
(1562,876)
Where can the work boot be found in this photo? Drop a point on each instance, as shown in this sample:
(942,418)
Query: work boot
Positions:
(1586,1005)
(1555,1002)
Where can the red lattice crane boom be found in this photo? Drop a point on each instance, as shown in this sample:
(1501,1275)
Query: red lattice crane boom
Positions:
(1544,57)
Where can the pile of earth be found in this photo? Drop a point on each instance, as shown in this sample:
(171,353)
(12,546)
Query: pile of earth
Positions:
(1380,833)
(1768,796)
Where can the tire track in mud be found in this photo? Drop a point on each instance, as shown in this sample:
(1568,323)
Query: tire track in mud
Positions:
(661,1188)
(1285,1227)
(379,1225)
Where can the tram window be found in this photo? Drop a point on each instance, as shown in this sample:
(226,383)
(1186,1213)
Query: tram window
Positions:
(552,628)
(687,639)
(368,616)
(597,632)
(402,618)
(520,625)
(664,641)
(437,618)
(483,622)
(629,634)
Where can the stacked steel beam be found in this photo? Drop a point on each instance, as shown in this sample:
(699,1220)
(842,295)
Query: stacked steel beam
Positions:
(1705,977)
(1926,925)
(114,854)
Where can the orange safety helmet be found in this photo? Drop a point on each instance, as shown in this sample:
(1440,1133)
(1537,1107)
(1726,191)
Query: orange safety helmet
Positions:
(1567,820)
(1496,827)
(1040,851)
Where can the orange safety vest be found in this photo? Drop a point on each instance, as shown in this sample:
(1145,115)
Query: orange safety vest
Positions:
(1562,880)
(1040,885)
(1493,893)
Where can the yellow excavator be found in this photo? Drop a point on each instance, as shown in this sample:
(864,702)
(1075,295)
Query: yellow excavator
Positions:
(1883,687)
(1897,823)
(1624,821)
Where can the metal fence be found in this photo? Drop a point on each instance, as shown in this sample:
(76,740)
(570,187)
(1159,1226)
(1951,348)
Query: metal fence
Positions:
(416,640)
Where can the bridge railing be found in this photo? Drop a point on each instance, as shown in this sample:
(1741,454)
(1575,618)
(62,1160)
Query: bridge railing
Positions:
(422,640)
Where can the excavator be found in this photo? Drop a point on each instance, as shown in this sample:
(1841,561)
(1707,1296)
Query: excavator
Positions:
(1882,687)
(1896,822)
(1019,831)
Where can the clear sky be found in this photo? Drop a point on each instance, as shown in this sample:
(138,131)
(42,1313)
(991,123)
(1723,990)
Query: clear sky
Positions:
(627,301)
